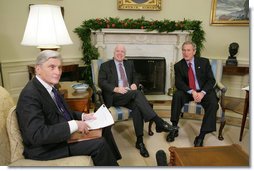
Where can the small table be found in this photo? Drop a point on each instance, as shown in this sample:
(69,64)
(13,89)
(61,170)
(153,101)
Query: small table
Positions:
(77,101)
(236,70)
(230,155)
(245,112)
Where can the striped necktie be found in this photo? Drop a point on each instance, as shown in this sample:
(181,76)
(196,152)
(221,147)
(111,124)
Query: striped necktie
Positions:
(123,76)
(60,105)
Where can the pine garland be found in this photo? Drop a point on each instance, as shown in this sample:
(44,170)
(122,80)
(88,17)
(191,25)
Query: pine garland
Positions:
(90,52)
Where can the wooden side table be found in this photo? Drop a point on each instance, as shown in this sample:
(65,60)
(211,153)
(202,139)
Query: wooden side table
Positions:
(230,155)
(77,101)
(236,70)
(245,113)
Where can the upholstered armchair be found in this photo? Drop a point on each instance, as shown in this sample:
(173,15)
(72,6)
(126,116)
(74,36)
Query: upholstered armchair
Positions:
(119,113)
(192,107)
(11,146)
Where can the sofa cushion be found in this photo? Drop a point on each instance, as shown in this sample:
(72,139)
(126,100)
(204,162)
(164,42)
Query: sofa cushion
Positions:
(17,148)
(67,161)
(6,102)
(15,138)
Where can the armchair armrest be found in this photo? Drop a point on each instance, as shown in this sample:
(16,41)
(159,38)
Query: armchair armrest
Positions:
(221,87)
(98,99)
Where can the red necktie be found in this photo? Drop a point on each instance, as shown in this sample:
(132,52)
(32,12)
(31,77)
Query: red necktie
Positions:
(122,74)
(191,78)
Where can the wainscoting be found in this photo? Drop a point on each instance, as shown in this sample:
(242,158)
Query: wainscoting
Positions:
(15,74)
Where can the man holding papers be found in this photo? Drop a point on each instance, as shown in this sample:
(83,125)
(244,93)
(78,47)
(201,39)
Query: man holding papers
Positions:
(118,81)
(47,123)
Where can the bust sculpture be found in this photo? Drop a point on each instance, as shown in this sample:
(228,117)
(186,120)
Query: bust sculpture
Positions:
(233,50)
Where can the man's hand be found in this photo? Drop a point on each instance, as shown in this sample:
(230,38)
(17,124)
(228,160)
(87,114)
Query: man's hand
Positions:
(134,87)
(83,127)
(197,96)
(121,90)
(88,116)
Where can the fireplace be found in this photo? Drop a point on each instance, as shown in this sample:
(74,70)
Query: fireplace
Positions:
(152,73)
(140,43)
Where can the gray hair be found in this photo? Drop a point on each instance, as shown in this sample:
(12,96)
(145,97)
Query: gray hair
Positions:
(190,43)
(46,55)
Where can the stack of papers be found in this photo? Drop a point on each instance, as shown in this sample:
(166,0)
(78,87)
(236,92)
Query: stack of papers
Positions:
(103,118)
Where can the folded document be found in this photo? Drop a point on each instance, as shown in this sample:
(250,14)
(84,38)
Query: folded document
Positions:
(103,118)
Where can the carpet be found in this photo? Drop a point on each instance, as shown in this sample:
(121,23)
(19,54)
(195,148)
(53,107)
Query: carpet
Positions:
(234,110)
(234,104)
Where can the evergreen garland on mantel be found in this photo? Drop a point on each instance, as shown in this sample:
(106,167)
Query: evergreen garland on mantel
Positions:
(90,52)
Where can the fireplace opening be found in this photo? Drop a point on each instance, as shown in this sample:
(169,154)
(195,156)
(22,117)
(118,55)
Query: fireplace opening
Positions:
(152,73)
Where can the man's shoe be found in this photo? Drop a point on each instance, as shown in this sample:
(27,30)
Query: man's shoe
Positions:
(171,136)
(142,149)
(163,127)
(198,142)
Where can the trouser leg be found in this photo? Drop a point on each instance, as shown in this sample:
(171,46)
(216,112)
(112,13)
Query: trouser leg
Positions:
(98,149)
(107,134)
(210,105)
(179,98)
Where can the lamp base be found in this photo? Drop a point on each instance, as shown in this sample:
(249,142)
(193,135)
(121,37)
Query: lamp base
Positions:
(54,47)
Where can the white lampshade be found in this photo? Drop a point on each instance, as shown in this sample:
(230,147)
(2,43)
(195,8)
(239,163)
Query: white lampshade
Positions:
(45,27)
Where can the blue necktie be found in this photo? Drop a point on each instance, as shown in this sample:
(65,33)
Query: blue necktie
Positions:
(60,105)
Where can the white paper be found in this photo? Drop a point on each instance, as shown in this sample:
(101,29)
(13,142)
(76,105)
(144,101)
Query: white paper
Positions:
(103,118)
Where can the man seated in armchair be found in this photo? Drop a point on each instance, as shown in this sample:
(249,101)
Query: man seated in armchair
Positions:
(194,81)
(46,122)
(119,82)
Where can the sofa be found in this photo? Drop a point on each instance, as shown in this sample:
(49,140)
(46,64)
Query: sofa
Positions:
(11,146)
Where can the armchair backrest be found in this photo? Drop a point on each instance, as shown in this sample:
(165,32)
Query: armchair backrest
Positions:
(217,68)
(6,103)
(95,66)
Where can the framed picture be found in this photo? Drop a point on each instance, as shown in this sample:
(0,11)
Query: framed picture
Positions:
(148,5)
(230,12)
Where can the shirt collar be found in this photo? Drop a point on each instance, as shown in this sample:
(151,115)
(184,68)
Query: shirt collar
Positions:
(46,85)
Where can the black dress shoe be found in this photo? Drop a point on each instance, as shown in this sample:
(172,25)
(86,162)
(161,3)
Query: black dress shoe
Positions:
(163,127)
(198,142)
(142,149)
(171,136)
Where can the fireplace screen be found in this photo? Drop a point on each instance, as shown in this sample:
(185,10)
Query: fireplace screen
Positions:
(152,73)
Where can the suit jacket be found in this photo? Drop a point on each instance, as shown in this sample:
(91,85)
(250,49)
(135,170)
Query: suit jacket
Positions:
(108,78)
(44,129)
(204,75)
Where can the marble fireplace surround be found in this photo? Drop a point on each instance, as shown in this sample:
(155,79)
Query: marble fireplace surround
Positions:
(138,42)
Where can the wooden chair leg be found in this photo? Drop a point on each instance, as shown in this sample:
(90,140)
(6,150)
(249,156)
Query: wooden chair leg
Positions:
(150,132)
(222,124)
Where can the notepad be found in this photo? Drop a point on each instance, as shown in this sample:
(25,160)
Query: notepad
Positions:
(78,136)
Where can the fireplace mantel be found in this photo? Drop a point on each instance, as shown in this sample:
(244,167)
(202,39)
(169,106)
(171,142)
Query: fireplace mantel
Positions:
(139,42)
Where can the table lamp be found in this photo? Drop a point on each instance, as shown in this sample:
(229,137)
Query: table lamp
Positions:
(45,28)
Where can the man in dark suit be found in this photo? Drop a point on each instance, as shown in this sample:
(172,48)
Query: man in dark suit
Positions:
(194,81)
(119,82)
(46,122)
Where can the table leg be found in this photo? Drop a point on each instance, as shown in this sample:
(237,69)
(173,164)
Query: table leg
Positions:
(245,112)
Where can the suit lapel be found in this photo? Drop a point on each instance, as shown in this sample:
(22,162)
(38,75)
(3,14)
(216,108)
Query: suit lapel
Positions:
(185,67)
(127,70)
(197,68)
(47,98)
(114,71)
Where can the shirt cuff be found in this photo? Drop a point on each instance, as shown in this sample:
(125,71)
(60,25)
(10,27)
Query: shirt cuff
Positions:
(203,92)
(73,126)
(83,116)
(190,91)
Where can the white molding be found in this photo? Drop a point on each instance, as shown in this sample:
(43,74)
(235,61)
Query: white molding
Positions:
(15,73)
